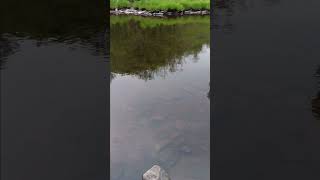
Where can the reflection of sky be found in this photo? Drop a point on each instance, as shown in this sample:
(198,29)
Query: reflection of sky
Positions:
(177,103)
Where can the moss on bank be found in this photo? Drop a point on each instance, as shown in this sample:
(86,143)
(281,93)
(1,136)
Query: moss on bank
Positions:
(165,5)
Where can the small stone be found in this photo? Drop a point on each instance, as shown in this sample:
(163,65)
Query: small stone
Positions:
(117,171)
(158,14)
(169,157)
(116,140)
(155,173)
(185,149)
(180,124)
(205,12)
(204,148)
(129,108)
(157,118)
(171,139)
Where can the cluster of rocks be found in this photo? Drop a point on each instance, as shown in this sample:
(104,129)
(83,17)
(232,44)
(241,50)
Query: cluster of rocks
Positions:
(156,14)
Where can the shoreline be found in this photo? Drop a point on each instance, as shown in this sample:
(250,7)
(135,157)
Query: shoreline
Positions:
(145,13)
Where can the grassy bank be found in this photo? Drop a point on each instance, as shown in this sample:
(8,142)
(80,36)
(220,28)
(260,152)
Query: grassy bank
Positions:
(165,5)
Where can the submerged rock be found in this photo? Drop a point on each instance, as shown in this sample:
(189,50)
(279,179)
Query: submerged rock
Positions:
(155,173)
(185,149)
(181,124)
(117,171)
(169,157)
(173,139)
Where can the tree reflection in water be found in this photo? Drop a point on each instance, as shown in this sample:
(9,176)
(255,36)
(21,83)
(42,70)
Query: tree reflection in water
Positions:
(145,47)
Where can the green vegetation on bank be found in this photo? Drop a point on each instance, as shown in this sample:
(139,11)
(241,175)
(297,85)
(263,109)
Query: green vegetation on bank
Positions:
(165,5)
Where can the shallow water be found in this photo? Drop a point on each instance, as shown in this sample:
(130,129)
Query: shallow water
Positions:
(53,90)
(160,110)
(266,61)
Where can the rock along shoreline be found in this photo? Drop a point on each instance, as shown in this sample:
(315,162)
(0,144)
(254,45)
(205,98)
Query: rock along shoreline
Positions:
(158,13)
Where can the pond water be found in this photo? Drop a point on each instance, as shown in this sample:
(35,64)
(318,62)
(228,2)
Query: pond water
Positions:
(53,90)
(266,89)
(160,109)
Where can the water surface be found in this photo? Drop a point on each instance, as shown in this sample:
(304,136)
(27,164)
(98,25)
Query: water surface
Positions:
(160,110)
(53,90)
(266,60)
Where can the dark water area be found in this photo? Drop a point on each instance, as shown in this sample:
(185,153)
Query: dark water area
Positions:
(266,89)
(160,110)
(54,84)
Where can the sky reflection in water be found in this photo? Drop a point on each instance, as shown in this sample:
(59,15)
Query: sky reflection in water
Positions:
(159,105)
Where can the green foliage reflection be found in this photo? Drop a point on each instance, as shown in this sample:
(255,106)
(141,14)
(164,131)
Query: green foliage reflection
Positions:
(146,46)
